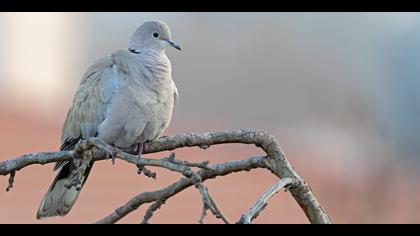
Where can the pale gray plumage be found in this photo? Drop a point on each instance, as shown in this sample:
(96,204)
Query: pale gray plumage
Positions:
(125,98)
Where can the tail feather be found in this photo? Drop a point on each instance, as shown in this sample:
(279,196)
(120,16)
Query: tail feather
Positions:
(59,200)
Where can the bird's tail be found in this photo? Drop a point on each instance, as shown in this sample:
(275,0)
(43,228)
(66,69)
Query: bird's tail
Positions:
(59,199)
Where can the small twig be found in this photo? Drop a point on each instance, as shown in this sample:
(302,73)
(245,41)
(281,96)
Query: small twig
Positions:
(208,202)
(11,181)
(145,171)
(218,212)
(149,213)
(261,203)
(203,214)
(202,165)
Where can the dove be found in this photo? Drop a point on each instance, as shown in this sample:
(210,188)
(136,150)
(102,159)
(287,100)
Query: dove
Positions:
(125,99)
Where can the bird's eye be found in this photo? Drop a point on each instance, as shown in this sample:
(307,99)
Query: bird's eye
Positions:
(155,35)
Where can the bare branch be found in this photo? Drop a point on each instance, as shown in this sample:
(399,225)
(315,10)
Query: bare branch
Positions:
(42,158)
(146,172)
(208,202)
(149,213)
(275,162)
(11,181)
(218,213)
(203,214)
(261,203)
(202,165)
(182,167)
(175,188)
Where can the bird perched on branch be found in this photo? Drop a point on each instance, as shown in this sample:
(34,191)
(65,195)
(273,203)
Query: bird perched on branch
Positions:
(125,99)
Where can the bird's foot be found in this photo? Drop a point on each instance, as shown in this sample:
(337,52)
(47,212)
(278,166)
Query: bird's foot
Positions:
(141,147)
(142,169)
(108,156)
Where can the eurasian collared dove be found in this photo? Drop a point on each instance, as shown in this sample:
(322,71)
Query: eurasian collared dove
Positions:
(125,98)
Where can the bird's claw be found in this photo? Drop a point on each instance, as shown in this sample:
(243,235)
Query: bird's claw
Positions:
(141,147)
(107,156)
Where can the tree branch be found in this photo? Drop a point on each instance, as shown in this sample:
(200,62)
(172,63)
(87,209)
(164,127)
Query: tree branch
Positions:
(175,188)
(149,213)
(11,181)
(218,213)
(261,203)
(275,162)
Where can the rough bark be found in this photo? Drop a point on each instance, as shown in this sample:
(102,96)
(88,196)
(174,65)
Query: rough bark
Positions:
(275,161)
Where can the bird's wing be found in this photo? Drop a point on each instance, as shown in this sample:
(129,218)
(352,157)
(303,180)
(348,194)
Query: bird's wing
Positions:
(89,104)
(176,95)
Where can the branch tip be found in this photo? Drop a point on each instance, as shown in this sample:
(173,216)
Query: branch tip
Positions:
(11,181)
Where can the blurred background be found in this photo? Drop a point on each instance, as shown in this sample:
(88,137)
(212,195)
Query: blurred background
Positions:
(340,91)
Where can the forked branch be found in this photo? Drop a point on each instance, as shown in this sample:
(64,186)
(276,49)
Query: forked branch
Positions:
(274,161)
(261,203)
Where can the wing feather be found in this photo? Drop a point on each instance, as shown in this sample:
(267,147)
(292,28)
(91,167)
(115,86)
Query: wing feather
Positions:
(90,103)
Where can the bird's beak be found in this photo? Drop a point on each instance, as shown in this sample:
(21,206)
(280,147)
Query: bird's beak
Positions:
(174,45)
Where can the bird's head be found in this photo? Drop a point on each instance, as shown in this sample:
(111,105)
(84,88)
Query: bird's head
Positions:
(154,35)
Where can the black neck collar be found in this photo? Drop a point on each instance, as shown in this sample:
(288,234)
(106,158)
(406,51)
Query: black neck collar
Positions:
(133,51)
